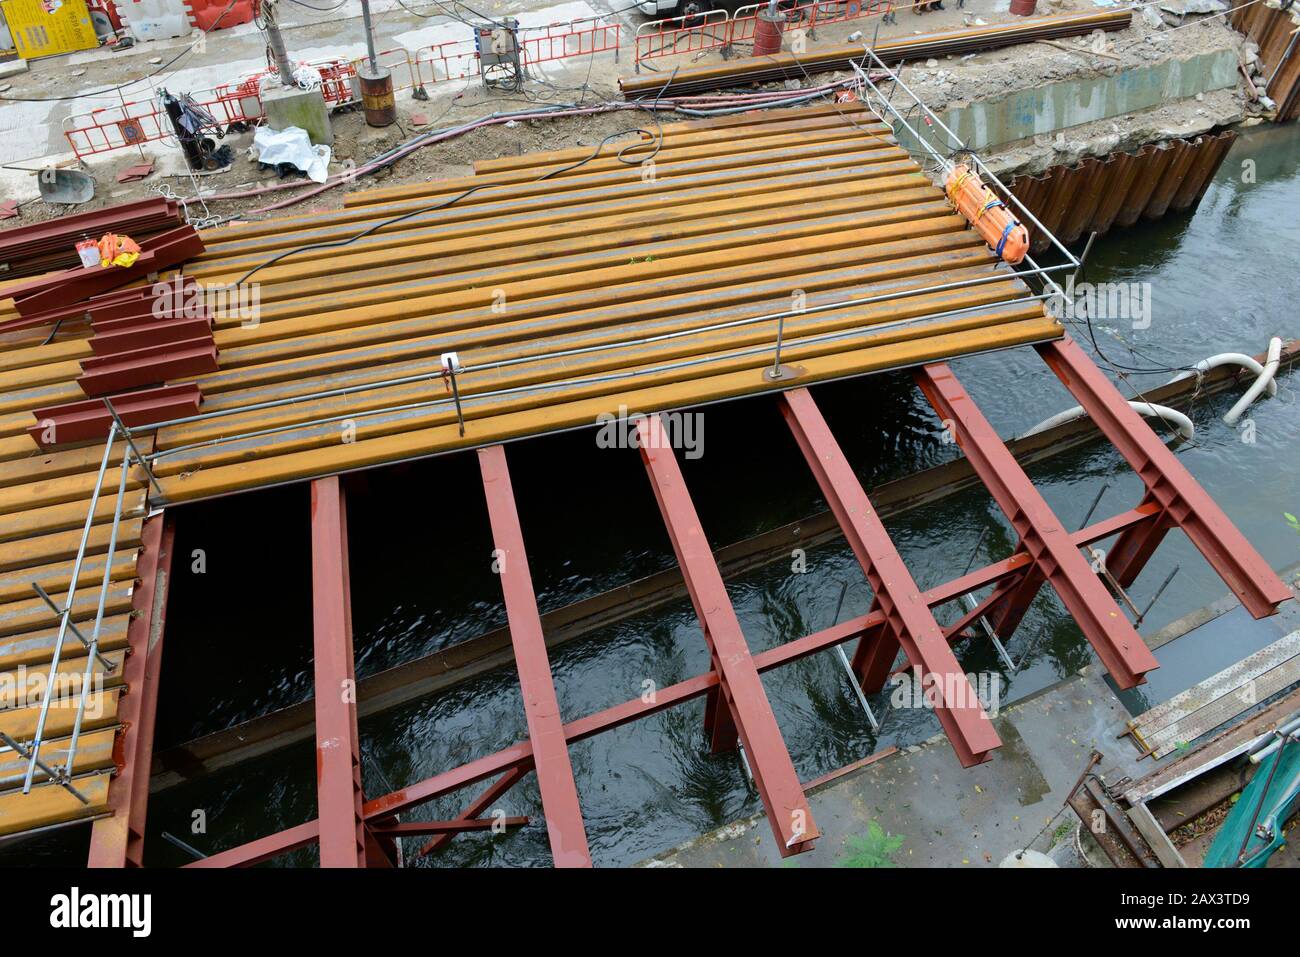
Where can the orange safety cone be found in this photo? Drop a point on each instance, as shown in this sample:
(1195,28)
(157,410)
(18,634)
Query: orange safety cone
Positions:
(1005,234)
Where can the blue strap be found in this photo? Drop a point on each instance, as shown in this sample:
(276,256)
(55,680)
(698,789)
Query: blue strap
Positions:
(1006,232)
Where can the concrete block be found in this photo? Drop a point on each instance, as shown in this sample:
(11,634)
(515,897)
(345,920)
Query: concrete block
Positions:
(289,106)
(12,68)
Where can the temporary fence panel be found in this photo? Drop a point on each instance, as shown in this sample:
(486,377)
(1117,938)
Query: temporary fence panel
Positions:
(560,40)
(808,16)
(676,36)
(453,60)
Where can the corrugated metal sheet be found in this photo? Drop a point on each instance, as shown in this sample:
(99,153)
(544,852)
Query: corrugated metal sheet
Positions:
(1097,194)
(1274,30)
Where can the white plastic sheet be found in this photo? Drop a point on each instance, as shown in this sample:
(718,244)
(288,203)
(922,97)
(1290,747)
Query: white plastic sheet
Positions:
(291,145)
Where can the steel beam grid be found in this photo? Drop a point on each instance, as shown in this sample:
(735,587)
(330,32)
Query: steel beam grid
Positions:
(908,622)
(1054,556)
(338,751)
(740,688)
(518,757)
(1180,498)
(563,811)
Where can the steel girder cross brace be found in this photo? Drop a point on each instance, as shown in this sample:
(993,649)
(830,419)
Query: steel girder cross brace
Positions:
(541,706)
(909,623)
(1182,501)
(740,690)
(1055,556)
(343,837)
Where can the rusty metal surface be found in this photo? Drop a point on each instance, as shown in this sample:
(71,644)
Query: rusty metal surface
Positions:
(1274,30)
(1098,194)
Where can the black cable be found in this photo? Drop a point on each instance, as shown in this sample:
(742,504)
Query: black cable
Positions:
(189,48)
(620,156)
(310,6)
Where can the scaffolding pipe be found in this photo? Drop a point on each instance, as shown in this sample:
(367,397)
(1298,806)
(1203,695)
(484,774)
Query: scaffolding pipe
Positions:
(66,615)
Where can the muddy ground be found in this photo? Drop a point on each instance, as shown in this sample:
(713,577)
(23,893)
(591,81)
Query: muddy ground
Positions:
(938,82)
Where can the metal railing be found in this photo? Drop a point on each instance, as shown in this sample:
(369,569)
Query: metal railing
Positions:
(31,751)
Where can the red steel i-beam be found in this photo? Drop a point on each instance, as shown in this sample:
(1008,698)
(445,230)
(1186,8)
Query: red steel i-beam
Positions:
(338,750)
(541,706)
(519,756)
(1054,555)
(1182,500)
(741,689)
(908,620)
(118,840)
(476,807)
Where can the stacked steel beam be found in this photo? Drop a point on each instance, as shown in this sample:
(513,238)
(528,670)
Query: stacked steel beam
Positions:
(786,66)
(44,247)
(1096,194)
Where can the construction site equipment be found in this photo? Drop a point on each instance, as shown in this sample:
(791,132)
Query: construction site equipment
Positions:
(989,215)
(65,186)
(497,44)
(595,310)
(788,65)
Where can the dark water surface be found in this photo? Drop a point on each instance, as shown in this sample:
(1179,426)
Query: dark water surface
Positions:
(1223,279)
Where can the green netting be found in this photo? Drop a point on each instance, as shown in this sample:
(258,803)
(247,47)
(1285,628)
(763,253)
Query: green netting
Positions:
(1277,783)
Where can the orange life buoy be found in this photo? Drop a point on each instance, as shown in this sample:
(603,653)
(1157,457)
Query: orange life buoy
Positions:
(1005,234)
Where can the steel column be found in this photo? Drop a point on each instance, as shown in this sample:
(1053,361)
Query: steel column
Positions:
(740,687)
(541,706)
(1168,484)
(908,621)
(1047,543)
(338,749)
(118,840)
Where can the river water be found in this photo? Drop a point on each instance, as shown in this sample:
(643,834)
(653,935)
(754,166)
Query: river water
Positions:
(1222,279)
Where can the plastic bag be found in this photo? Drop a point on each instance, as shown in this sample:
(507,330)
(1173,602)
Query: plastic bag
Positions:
(292,145)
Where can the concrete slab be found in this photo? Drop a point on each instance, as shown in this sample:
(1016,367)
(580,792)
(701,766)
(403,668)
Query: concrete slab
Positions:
(305,109)
(947,816)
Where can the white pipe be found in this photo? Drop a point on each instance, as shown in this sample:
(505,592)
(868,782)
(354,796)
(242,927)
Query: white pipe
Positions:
(1172,417)
(1227,359)
(1264,381)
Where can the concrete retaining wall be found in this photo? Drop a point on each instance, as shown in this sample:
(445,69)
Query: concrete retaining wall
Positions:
(1056,106)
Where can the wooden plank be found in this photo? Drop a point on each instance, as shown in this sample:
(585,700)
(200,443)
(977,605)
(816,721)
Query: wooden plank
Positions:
(55,577)
(51,804)
(67,684)
(101,712)
(34,647)
(94,753)
(364,453)
(539,388)
(17,617)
